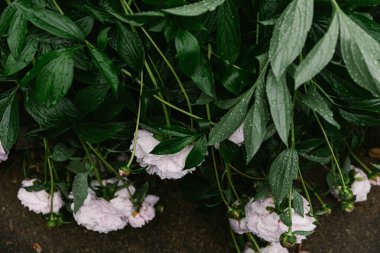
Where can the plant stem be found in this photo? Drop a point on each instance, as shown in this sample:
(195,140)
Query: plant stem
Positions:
(137,121)
(292,124)
(243,174)
(306,191)
(320,200)
(150,73)
(231,183)
(93,166)
(290,208)
(166,62)
(217,177)
(360,162)
(58,7)
(331,150)
(47,153)
(234,240)
(253,240)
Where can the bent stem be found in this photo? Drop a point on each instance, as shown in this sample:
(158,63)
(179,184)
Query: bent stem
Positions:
(137,121)
(306,192)
(234,240)
(253,240)
(93,166)
(290,209)
(331,151)
(361,163)
(128,10)
(231,183)
(47,154)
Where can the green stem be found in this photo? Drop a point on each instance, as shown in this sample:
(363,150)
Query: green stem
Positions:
(234,240)
(290,208)
(320,200)
(217,177)
(58,7)
(306,192)
(243,174)
(292,123)
(137,121)
(150,73)
(331,151)
(253,240)
(47,153)
(93,166)
(257,27)
(176,77)
(231,183)
(360,162)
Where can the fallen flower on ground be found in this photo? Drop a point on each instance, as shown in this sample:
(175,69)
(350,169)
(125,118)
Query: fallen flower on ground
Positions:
(38,201)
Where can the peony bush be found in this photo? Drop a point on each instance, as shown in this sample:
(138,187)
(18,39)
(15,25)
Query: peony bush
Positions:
(255,106)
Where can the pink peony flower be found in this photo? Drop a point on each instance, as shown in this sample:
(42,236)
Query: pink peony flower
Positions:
(38,201)
(271,248)
(146,213)
(3,154)
(361,186)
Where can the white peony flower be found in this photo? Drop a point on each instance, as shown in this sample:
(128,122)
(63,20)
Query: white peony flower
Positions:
(238,136)
(268,225)
(262,222)
(3,154)
(361,186)
(165,166)
(99,215)
(271,248)
(305,223)
(146,213)
(38,201)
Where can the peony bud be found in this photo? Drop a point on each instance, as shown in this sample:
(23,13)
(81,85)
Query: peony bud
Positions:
(124,171)
(288,239)
(348,206)
(346,195)
(234,213)
(326,209)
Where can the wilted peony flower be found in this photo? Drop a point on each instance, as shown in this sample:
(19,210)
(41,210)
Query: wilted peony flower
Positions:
(268,225)
(271,248)
(361,186)
(146,213)
(99,215)
(375,180)
(238,136)
(165,166)
(305,223)
(39,201)
(262,222)
(3,154)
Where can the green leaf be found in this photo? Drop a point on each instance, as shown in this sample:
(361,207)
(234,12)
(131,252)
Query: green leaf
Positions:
(316,103)
(231,120)
(5,19)
(361,2)
(85,24)
(17,33)
(63,114)
(256,121)
(62,152)
(173,146)
(76,167)
(89,98)
(360,119)
(228,38)
(188,50)
(9,125)
(194,9)
(42,62)
(298,203)
(319,56)
(176,131)
(105,66)
(80,190)
(280,105)
(282,173)
(202,77)
(102,39)
(51,21)
(367,24)
(15,64)
(289,35)
(361,54)
(130,47)
(197,153)
(55,79)
(98,132)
